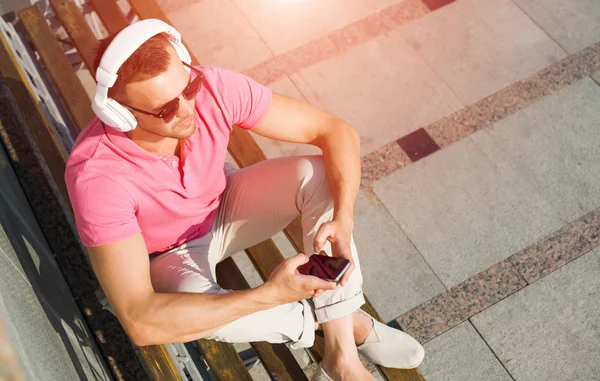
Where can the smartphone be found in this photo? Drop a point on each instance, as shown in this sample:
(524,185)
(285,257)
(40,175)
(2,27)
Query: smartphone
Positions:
(325,267)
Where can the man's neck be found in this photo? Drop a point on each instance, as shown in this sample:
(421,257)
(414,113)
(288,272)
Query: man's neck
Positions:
(157,145)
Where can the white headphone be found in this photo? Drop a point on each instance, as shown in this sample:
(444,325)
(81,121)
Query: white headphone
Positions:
(121,47)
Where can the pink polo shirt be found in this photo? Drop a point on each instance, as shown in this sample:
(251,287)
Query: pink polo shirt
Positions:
(118,189)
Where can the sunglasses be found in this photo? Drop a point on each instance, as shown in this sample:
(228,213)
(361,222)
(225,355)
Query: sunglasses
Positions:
(169,110)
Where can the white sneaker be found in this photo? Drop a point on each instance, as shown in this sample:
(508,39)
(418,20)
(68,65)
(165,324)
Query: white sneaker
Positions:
(391,347)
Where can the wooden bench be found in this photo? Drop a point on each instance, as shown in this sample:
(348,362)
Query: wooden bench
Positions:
(222,358)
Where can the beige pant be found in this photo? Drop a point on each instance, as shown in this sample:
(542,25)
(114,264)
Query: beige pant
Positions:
(260,201)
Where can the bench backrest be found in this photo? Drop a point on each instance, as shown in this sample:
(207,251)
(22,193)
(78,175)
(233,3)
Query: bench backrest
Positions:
(222,357)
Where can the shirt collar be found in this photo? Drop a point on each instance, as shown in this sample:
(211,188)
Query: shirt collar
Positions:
(138,154)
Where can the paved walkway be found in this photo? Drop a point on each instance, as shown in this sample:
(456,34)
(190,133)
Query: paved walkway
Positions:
(478,218)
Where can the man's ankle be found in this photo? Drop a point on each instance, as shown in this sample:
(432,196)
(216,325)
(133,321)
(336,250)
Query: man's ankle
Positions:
(339,360)
(362,325)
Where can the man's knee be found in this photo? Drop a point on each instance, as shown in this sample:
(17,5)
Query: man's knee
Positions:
(312,166)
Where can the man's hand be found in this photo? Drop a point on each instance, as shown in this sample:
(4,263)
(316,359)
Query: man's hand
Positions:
(338,233)
(288,285)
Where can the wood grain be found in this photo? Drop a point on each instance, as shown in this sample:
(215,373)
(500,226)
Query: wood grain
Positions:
(58,67)
(39,125)
(159,363)
(277,359)
(111,15)
(78,30)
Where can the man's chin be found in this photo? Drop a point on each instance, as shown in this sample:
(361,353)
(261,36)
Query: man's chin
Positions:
(185,132)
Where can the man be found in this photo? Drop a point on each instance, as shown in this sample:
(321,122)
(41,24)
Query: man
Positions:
(151,179)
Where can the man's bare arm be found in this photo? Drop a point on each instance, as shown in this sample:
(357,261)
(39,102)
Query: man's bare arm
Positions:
(123,269)
(292,120)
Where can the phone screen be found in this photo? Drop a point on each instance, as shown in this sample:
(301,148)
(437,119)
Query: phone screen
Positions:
(325,267)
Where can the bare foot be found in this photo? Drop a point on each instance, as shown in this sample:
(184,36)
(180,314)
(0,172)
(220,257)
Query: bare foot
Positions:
(347,371)
(362,326)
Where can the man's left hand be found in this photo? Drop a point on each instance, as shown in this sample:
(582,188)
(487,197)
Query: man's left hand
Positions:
(338,233)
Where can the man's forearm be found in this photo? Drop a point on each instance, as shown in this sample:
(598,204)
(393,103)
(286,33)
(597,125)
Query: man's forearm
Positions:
(182,317)
(341,153)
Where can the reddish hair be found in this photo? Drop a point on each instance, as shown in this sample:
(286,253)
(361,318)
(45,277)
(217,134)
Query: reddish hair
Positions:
(149,60)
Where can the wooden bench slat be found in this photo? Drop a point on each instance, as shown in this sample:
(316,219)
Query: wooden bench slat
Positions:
(60,70)
(224,361)
(159,363)
(150,9)
(277,359)
(266,255)
(34,116)
(156,356)
(78,30)
(109,12)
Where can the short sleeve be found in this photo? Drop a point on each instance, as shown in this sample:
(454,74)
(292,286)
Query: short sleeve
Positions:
(104,209)
(246,100)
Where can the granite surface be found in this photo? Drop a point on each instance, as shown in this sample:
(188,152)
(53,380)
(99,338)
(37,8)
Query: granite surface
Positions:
(559,248)
(342,39)
(487,288)
(382,162)
(596,77)
(462,301)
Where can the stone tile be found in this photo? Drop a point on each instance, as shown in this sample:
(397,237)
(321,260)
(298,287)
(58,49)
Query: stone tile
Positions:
(274,148)
(596,77)
(464,211)
(247,268)
(384,4)
(515,97)
(382,162)
(481,46)
(462,301)
(284,245)
(549,330)
(554,142)
(574,25)
(358,84)
(259,373)
(170,6)
(245,265)
(220,35)
(310,19)
(559,248)
(285,86)
(396,278)
(461,354)
(418,144)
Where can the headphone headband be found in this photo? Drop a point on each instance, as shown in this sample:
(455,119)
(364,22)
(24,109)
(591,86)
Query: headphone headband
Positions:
(125,43)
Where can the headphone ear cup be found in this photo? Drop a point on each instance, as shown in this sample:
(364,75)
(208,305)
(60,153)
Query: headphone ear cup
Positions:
(117,116)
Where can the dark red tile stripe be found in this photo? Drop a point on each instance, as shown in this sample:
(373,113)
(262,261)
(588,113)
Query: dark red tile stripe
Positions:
(487,111)
(418,144)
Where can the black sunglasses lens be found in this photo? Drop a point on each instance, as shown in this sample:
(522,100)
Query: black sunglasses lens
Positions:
(170,110)
(192,89)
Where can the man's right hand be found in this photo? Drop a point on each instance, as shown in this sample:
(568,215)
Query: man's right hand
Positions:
(288,285)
